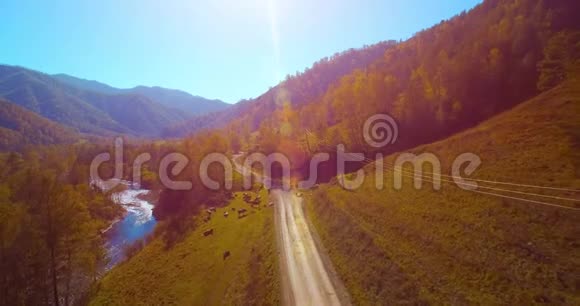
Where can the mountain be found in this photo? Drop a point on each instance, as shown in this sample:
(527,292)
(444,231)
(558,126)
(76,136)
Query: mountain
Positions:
(499,81)
(193,105)
(171,98)
(51,99)
(90,85)
(87,111)
(141,115)
(298,90)
(453,246)
(20,127)
(444,79)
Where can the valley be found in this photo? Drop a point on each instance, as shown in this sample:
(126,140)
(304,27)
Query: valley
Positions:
(428,154)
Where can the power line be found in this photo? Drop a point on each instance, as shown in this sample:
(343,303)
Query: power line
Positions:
(505,196)
(527,200)
(495,182)
(491,188)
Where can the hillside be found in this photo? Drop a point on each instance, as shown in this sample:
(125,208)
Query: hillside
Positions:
(461,247)
(171,98)
(193,105)
(87,111)
(90,85)
(47,97)
(194,271)
(20,127)
(300,89)
(140,115)
(449,77)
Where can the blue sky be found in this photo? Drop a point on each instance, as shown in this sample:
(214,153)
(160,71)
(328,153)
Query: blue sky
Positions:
(226,49)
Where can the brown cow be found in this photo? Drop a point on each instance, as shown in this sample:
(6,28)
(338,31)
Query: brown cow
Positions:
(208,232)
(242,213)
(226,254)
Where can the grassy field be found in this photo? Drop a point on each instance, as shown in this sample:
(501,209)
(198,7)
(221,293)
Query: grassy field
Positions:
(193,272)
(458,247)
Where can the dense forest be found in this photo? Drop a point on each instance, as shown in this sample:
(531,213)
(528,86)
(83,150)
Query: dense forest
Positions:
(50,223)
(20,127)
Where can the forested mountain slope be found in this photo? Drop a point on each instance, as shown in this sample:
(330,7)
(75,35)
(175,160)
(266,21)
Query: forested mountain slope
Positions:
(171,98)
(20,127)
(453,246)
(300,89)
(439,82)
(86,111)
(47,97)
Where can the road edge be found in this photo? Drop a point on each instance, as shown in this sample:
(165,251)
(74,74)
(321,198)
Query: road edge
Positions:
(342,292)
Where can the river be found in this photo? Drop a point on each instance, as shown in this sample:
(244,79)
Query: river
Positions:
(137,223)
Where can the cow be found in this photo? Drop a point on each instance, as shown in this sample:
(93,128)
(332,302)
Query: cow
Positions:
(208,232)
(242,213)
(226,214)
(226,254)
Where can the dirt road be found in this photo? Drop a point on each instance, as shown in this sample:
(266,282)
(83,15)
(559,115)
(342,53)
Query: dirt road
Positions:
(306,277)
(306,280)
